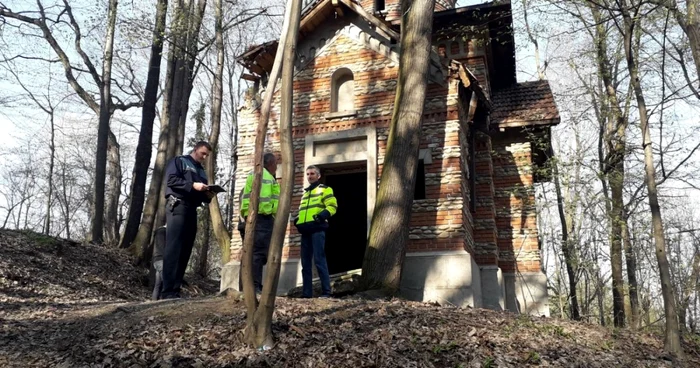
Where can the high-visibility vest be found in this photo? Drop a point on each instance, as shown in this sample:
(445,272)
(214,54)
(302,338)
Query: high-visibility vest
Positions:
(314,201)
(269,194)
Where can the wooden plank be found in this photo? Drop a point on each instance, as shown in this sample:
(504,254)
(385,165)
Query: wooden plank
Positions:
(338,8)
(371,18)
(464,77)
(472,107)
(316,11)
(255,68)
(249,77)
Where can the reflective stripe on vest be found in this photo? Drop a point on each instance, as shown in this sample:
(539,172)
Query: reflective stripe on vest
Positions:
(315,201)
(269,194)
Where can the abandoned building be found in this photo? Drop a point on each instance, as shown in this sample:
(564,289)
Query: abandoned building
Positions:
(485,139)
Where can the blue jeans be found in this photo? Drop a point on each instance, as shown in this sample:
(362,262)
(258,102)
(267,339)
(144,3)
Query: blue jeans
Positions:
(312,247)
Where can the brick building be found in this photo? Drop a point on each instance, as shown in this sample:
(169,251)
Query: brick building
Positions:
(473,236)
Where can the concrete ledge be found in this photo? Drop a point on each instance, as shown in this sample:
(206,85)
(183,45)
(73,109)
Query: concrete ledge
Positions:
(526,292)
(290,275)
(443,277)
(492,287)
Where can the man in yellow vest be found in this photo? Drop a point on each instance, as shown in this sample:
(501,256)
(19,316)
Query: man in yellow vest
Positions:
(267,208)
(317,205)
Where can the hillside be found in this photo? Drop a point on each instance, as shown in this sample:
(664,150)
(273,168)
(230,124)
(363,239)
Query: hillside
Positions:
(72,305)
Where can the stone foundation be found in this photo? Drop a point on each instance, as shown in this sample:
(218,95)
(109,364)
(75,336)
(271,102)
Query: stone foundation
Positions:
(443,277)
(526,292)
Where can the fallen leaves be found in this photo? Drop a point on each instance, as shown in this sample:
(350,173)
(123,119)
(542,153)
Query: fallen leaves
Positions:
(86,307)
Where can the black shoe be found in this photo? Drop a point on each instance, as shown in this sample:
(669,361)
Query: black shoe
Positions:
(325,296)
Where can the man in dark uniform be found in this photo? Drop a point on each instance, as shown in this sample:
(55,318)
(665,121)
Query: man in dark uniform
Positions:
(186,190)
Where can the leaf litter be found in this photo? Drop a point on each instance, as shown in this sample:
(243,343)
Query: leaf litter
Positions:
(66,304)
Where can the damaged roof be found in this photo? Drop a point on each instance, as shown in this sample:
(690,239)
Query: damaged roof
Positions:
(528,103)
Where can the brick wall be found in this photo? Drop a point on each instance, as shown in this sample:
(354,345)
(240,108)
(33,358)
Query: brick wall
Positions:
(442,220)
(485,235)
(516,218)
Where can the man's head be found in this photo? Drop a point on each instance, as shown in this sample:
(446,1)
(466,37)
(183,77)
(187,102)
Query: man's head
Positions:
(201,151)
(313,174)
(270,163)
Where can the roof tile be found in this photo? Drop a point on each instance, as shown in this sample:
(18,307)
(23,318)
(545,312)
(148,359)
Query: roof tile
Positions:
(526,103)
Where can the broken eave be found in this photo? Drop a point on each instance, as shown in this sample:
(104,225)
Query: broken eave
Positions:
(259,59)
(470,82)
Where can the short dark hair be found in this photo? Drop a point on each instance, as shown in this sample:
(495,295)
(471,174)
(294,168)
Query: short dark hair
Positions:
(202,144)
(269,158)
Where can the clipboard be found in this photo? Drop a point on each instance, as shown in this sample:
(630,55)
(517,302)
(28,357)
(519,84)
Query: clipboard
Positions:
(216,189)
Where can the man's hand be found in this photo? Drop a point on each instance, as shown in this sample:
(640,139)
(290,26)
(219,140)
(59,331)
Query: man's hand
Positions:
(200,187)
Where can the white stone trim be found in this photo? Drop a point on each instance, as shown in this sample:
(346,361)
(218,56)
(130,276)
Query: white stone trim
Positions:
(370,156)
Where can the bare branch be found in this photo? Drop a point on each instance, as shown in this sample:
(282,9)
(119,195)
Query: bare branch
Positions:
(79,48)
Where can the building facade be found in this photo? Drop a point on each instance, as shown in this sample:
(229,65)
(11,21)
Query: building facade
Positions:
(485,138)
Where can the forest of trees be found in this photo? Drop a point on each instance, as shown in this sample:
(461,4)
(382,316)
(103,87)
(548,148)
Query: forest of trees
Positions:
(96,96)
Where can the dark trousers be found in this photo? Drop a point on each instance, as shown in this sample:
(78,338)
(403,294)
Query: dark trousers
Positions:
(179,240)
(312,246)
(261,245)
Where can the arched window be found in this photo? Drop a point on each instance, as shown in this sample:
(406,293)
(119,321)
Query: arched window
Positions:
(342,91)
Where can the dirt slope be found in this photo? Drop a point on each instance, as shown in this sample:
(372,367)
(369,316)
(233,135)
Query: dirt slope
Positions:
(86,307)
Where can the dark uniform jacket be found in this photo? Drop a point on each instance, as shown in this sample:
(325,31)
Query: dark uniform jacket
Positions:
(181,173)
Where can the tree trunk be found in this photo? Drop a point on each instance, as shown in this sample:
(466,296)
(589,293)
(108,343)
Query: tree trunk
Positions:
(616,219)
(49,197)
(631,261)
(234,150)
(223,238)
(148,115)
(182,86)
(690,23)
(259,329)
(202,266)
(97,226)
(613,165)
(388,237)
(66,214)
(114,190)
(174,102)
(261,131)
(567,247)
(672,341)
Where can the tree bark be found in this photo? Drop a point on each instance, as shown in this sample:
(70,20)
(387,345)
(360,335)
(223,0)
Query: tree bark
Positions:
(672,342)
(613,165)
(261,131)
(66,214)
(223,237)
(97,226)
(114,190)
(388,237)
(690,23)
(567,247)
(259,330)
(148,115)
(49,196)
(182,86)
(173,107)
(202,266)
(631,262)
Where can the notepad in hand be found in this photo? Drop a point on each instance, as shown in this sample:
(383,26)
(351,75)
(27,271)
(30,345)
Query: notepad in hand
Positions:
(216,188)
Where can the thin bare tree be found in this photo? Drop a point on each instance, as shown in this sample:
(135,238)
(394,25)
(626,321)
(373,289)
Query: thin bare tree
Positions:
(104,108)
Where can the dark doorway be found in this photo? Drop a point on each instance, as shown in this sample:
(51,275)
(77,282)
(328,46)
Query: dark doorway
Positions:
(346,238)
